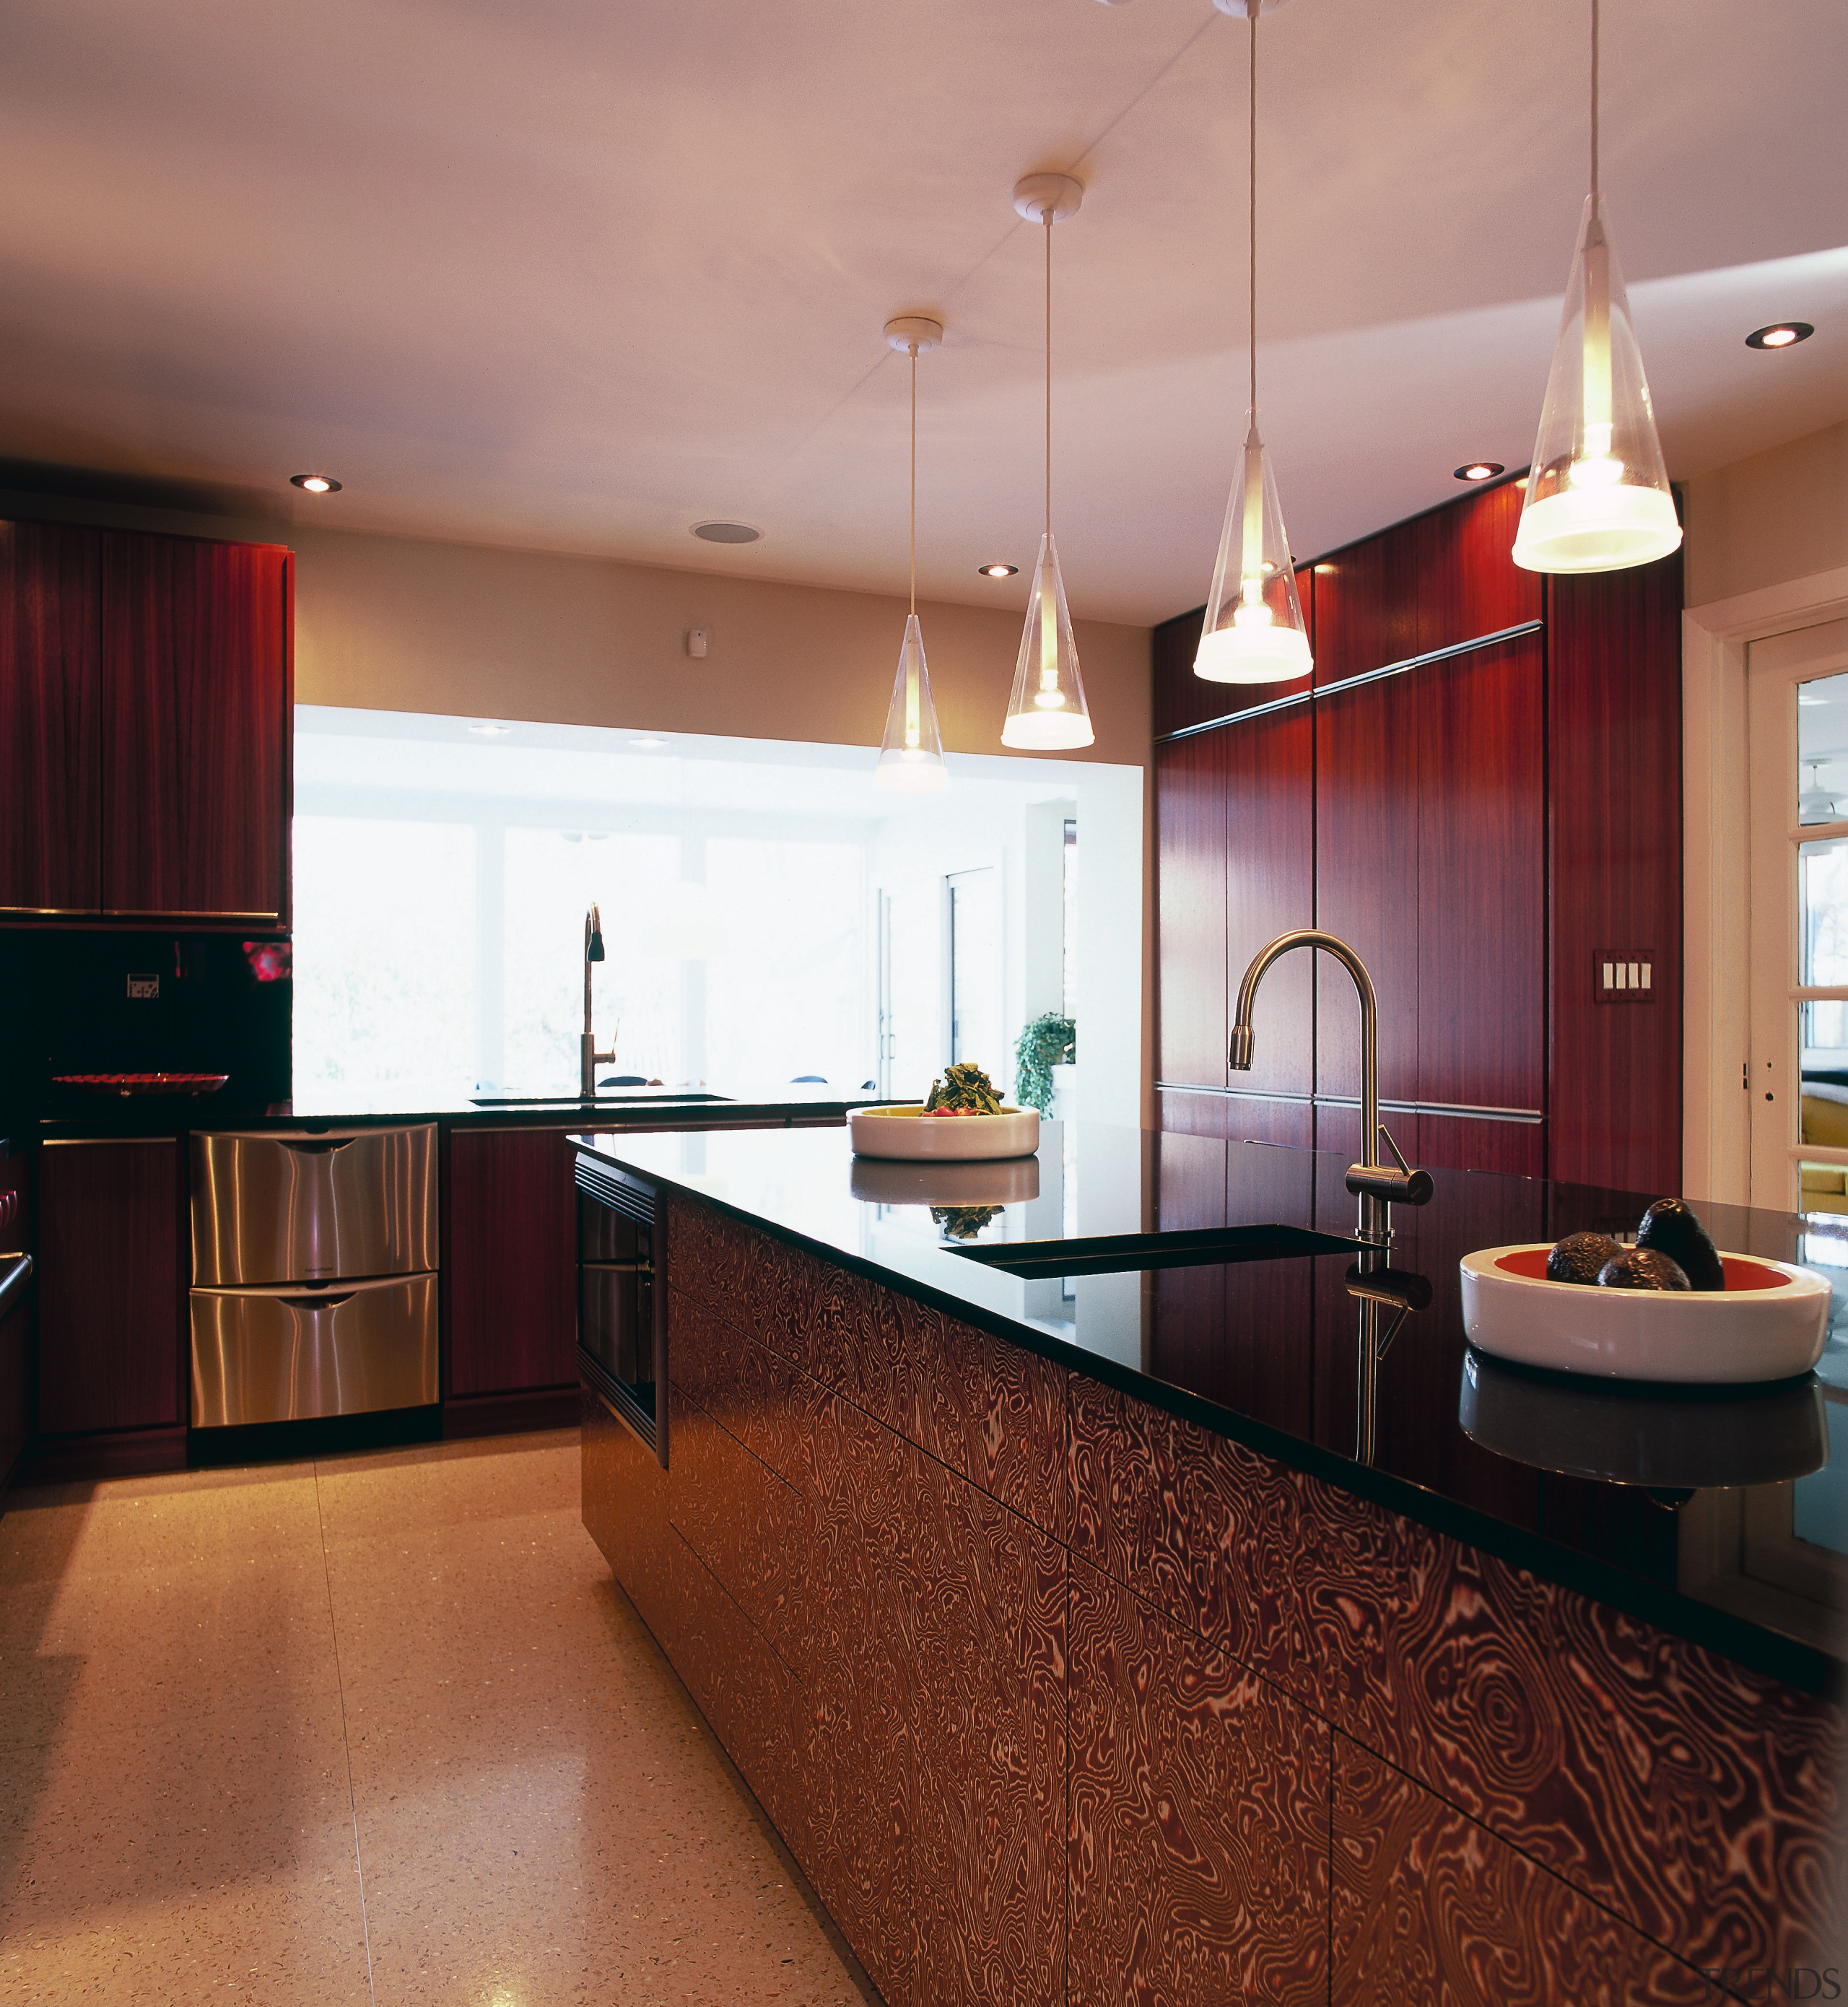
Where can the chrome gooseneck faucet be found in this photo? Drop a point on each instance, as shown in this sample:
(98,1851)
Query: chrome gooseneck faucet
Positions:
(1375,1184)
(589,1058)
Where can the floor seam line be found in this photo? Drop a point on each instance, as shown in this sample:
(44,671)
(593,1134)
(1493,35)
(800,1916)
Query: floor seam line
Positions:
(365,1926)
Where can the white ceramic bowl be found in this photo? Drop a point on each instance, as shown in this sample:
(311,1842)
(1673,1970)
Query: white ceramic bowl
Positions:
(1632,1435)
(908,1132)
(1768,1323)
(992,1181)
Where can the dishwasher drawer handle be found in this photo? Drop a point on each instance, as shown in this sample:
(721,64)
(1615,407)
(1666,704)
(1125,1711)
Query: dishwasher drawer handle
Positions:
(315,1149)
(318,1303)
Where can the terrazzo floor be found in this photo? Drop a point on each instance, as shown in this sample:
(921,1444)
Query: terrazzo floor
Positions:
(379,1728)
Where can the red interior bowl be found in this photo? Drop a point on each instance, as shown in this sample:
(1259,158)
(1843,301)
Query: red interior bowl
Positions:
(1740,1274)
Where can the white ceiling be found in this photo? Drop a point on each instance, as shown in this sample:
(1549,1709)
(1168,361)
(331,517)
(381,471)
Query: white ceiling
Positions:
(575,274)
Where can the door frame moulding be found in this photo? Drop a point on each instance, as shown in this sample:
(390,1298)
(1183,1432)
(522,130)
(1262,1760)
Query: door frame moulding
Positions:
(1716,1136)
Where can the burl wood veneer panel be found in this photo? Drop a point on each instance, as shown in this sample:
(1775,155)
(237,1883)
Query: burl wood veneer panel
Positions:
(1430,1908)
(993,1412)
(1199,1833)
(754,1393)
(988,1713)
(862,1484)
(1701,1802)
(747,1525)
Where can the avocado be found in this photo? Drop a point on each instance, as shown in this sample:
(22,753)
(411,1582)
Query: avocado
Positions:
(1643,1269)
(1672,1226)
(1578,1257)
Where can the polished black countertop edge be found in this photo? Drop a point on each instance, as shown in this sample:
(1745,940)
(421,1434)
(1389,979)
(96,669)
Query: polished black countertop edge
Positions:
(1804,1666)
(110,1122)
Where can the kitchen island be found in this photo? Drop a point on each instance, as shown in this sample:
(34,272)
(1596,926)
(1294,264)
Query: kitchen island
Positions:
(1148,1635)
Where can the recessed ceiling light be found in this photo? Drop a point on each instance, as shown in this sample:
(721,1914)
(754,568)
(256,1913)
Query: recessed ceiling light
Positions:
(648,745)
(1520,480)
(488,728)
(1479,470)
(727,533)
(316,483)
(1325,571)
(1780,334)
(999,570)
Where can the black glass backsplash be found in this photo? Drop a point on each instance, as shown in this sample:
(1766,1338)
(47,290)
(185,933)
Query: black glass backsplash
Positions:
(73,1001)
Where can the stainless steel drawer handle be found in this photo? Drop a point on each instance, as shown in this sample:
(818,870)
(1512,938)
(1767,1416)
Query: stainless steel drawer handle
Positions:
(317,1303)
(315,1149)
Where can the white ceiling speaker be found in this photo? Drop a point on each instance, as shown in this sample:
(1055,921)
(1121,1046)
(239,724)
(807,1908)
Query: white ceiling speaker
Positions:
(1035,195)
(917,333)
(1240,11)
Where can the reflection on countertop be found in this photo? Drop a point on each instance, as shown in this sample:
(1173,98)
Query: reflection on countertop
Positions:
(1712,1511)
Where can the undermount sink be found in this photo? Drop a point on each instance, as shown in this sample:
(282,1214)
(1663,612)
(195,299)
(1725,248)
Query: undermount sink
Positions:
(1193,1247)
(657,1095)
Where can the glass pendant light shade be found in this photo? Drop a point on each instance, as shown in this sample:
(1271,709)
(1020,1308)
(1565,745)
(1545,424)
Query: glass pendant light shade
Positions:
(910,755)
(1047,712)
(1598,497)
(1253,632)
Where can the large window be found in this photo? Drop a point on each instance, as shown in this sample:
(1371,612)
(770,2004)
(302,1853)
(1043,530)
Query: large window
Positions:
(443,867)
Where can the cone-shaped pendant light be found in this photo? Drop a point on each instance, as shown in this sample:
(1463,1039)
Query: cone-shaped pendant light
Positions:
(1253,632)
(1598,497)
(910,755)
(1047,713)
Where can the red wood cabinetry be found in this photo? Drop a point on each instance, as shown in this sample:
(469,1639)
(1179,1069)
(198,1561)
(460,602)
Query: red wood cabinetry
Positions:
(1439,581)
(50,729)
(1482,885)
(510,1263)
(1482,823)
(110,1220)
(195,751)
(145,723)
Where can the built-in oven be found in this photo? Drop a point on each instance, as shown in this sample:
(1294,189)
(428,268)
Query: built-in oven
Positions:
(622,1298)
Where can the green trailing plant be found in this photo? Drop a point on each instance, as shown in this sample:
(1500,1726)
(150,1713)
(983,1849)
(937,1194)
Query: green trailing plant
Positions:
(1050,1041)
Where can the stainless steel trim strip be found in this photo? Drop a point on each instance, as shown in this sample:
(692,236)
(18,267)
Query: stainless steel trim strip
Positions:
(1353,682)
(16,1279)
(1462,1108)
(102,1142)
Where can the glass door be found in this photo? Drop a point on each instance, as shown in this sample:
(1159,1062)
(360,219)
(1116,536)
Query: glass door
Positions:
(1797,1069)
(975,1030)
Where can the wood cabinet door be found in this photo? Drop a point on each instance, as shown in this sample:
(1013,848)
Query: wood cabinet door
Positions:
(1191,894)
(109,1285)
(1366,892)
(510,1262)
(1482,878)
(1270,889)
(196,728)
(51,742)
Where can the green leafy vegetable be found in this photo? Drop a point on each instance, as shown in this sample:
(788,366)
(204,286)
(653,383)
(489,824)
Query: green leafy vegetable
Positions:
(963,1090)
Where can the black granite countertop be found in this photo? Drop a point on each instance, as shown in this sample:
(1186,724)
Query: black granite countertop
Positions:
(1720,1514)
(345,1107)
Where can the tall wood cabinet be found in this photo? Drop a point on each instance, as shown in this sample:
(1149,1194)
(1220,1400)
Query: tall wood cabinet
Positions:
(146,707)
(1480,793)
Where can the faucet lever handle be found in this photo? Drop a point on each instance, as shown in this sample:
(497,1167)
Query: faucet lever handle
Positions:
(1398,1156)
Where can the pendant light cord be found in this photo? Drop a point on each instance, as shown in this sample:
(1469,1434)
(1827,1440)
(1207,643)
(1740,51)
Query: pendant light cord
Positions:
(1047,213)
(1253,9)
(914,347)
(1594,100)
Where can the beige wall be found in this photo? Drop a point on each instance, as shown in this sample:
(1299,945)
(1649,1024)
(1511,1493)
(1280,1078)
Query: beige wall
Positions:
(397,623)
(1783,514)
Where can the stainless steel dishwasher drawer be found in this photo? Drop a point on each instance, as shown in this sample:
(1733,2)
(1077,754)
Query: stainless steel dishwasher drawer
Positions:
(292,1207)
(283,1354)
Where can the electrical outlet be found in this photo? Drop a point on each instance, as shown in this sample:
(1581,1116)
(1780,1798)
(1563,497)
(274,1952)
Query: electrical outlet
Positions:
(1624,976)
(144,985)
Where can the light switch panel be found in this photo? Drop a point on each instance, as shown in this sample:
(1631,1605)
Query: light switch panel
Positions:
(1624,976)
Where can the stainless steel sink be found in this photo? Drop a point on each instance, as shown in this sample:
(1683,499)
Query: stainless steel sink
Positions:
(1193,1248)
(657,1097)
